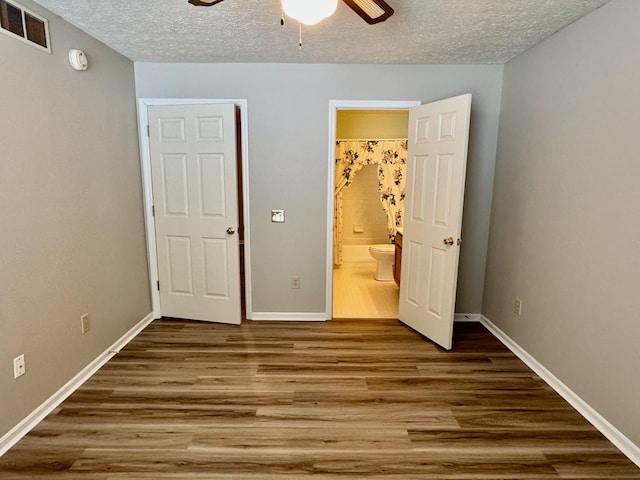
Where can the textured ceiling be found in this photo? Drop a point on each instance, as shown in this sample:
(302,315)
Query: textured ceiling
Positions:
(420,31)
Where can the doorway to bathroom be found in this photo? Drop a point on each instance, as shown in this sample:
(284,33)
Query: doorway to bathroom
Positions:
(370,158)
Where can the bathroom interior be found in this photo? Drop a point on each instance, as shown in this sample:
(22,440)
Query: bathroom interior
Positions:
(370,180)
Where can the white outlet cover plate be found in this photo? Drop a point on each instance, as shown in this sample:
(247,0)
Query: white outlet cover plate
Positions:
(19,366)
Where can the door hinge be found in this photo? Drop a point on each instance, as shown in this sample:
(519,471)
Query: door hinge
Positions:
(148,131)
(153,210)
(158,283)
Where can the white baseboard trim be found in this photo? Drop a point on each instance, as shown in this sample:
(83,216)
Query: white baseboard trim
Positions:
(21,429)
(321,317)
(289,316)
(466,317)
(615,436)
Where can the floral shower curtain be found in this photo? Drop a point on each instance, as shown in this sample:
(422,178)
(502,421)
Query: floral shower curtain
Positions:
(391,157)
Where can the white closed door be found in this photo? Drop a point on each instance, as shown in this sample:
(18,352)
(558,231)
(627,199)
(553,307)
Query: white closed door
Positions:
(193,168)
(436,169)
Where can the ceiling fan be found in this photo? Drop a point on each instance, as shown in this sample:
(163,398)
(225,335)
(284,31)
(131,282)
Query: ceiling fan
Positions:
(371,11)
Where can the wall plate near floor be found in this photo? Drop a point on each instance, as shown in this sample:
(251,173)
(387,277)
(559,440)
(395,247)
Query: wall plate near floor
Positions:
(85,323)
(517,306)
(19,366)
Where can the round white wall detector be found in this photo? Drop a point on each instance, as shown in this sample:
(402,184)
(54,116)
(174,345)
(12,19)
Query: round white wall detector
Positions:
(78,59)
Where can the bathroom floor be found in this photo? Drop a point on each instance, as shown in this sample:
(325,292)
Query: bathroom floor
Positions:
(356,294)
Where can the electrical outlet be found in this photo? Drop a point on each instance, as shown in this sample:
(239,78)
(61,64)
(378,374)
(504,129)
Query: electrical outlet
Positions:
(517,306)
(295,283)
(19,366)
(85,323)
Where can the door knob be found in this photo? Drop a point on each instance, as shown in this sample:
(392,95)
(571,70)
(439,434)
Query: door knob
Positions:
(448,241)
(230,231)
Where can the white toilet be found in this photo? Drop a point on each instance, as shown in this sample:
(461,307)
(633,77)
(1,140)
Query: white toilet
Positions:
(384,254)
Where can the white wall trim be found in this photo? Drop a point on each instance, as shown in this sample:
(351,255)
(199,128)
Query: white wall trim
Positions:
(319,317)
(147,191)
(30,421)
(289,316)
(334,106)
(615,436)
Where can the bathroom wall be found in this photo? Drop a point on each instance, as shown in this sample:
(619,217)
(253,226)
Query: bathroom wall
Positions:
(361,206)
(355,124)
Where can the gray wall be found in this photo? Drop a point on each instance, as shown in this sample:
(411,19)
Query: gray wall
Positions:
(70,212)
(288,110)
(565,226)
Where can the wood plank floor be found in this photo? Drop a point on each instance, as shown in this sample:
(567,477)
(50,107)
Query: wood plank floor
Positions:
(347,399)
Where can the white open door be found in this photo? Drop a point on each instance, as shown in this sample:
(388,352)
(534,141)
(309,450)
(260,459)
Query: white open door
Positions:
(193,169)
(436,169)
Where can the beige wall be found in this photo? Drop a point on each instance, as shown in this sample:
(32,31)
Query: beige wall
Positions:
(361,124)
(288,134)
(565,226)
(70,212)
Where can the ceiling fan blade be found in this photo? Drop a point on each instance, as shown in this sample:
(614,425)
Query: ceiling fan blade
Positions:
(203,3)
(371,11)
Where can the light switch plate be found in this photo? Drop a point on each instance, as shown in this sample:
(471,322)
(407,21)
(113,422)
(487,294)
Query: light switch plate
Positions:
(277,216)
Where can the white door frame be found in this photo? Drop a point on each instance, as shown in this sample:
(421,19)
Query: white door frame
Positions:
(147,190)
(334,106)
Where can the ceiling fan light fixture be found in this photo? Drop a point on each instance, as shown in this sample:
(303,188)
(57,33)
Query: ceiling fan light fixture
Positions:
(309,12)
(371,11)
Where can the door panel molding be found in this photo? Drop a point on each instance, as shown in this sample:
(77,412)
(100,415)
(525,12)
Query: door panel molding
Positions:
(434,219)
(145,165)
(199,252)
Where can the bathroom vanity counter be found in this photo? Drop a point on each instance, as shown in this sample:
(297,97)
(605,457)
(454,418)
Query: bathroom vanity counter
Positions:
(398,257)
